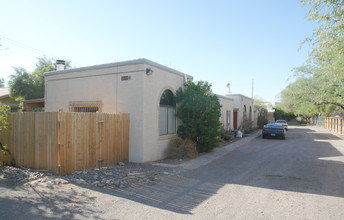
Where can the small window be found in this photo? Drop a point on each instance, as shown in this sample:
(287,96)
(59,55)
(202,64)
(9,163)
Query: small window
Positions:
(92,107)
(167,113)
(228,121)
(86,109)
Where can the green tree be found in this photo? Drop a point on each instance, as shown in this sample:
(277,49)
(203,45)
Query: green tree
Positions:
(260,105)
(325,66)
(27,85)
(200,111)
(4,126)
(2,83)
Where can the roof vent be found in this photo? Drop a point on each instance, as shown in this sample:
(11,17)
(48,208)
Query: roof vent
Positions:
(60,64)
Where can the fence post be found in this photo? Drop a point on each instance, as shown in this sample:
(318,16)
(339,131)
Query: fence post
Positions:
(59,141)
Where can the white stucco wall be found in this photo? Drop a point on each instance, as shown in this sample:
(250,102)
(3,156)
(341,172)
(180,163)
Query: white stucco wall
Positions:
(227,105)
(154,86)
(239,102)
(139,96)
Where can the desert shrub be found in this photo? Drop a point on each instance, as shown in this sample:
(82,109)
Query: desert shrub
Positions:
(182,148)
(226,134)
(247,126)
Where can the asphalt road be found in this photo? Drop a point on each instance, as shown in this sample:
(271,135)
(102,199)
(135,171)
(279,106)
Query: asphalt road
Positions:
(300,177)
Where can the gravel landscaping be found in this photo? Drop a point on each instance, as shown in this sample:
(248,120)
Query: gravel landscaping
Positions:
(122,175)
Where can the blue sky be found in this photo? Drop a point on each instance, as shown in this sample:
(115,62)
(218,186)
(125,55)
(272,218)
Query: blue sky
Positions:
(216,41)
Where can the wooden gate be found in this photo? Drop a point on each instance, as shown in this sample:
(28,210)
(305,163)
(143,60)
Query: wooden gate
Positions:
(65,142)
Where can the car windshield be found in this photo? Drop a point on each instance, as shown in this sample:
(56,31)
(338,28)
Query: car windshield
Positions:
(281,121)
(272,126)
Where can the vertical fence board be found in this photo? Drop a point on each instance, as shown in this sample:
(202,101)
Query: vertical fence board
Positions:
(84,139)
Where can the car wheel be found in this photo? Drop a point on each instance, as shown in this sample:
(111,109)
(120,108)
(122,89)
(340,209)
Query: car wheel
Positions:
(263,136)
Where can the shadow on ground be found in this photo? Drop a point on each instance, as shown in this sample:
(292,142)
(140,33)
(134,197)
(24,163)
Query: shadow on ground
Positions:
(289,165)
(301,163)
(46,203)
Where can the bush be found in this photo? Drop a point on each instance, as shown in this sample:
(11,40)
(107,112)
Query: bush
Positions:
(262,117)
(247,126)
(226,134)
(200,110)
(182,148)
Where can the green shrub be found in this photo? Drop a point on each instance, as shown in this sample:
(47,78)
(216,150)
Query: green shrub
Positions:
(182,148)
(200,110)
(262,116)
(226,134)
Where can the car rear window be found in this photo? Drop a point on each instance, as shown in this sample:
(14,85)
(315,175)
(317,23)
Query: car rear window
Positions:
(281,121)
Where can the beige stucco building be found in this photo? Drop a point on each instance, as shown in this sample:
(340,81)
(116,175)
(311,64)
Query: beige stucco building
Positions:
(139,87)
(243,108)
(5,99)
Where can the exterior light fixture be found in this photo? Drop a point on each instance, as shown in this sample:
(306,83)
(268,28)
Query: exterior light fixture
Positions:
(149,71)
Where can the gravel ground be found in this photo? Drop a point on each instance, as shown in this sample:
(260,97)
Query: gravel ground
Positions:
(122,175)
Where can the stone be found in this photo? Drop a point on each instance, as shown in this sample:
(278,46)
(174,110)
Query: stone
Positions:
(80,181)
(120,163)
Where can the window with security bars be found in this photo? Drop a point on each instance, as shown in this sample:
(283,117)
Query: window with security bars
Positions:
(86,109)
(86,106)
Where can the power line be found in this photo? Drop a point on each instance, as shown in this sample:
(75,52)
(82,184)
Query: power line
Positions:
(25,46)
(29,48)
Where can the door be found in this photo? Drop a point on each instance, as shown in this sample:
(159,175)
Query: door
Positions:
(235,120)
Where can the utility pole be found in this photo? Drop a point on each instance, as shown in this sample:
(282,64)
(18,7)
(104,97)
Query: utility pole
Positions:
(252,89)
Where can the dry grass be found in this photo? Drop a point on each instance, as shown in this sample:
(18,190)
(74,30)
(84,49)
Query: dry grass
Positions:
(182,148)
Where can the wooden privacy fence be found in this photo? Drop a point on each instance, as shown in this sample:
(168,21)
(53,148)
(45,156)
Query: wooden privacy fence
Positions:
(335,124)
(63,142)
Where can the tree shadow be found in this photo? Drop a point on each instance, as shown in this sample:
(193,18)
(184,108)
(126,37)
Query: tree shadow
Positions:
(45,203)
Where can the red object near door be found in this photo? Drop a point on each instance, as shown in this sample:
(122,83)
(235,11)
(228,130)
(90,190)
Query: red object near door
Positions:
(235,120)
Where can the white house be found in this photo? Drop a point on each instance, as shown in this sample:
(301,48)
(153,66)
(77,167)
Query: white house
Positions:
(139,87)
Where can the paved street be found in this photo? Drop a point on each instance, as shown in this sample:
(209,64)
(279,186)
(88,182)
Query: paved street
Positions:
(298,178)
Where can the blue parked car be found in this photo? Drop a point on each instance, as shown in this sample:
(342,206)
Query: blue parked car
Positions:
(273,130)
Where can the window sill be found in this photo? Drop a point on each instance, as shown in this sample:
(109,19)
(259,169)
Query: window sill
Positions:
(167,137)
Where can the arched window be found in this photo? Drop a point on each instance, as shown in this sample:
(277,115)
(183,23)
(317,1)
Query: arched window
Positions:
(244,112)
(250,116)
(167,113)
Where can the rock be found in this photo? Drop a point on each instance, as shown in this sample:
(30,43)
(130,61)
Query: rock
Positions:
(117,183)
(120,164)
(95,183)
(95,177)
(166,173)
(108,173)
(80,181)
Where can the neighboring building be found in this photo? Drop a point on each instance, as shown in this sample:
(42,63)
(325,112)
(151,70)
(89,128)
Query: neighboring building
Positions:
(226,111)
(270,116)
(5,99)
(243,109)
(142,88)
(34,105)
